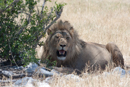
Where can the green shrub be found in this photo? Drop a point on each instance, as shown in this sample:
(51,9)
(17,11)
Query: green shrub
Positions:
(18,39)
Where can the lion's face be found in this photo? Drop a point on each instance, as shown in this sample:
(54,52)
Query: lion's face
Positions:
(61,42)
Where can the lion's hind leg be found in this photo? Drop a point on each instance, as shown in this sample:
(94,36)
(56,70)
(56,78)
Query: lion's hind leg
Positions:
(116,54)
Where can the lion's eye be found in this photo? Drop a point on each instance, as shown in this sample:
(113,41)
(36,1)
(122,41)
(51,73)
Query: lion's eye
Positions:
(67,38)
(56,37)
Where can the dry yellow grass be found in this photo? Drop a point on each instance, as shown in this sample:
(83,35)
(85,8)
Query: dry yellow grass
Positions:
(99,21)
(111,80)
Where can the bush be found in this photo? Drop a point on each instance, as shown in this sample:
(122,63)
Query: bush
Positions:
(18,39)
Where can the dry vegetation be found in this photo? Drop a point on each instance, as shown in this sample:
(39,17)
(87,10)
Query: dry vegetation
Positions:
(99,21)
(111,80)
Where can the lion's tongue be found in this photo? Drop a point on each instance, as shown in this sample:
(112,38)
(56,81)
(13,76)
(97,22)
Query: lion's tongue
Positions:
(61,52)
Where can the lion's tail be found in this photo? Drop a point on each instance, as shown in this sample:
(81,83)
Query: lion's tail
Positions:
(116,54)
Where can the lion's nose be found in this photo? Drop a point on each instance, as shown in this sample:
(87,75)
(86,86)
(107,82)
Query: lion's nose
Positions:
(62,45)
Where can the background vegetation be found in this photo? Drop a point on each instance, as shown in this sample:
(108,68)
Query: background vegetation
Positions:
(22,24)
(99,21)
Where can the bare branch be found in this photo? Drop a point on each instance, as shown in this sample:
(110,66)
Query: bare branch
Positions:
(12,54)
(58,14)
(43,7)
(28,18)
(21,30)
(48,18)
(37,10)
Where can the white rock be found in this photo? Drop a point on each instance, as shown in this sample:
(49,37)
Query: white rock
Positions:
(31,67)
(45,72)
(29,82)
(43,84)
(8,73)
(23,81)
(119,70)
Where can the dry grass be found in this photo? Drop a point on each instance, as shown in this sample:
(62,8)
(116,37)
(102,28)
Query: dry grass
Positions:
(111,80)
(99,21)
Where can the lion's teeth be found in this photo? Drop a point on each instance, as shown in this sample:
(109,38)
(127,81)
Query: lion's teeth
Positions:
(63,52)
(59,52)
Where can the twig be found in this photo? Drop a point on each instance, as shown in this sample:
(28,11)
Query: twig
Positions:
(6,81)
(12,54)
(44,29)
(58,14)
(43,7)
(29,18)
(45,22)
(21,29)
(18,75)
(37,10)
(48,17)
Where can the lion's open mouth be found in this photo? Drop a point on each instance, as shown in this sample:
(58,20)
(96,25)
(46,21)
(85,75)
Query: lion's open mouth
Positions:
(61,54)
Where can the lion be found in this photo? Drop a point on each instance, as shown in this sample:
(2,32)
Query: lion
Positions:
(64,46)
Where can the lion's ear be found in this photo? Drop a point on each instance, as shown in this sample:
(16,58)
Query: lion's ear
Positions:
(71,29)
(66,22)
(60,22)
(49,31)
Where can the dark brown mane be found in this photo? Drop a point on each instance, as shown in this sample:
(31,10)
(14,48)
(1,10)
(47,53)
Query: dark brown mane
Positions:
(60,25)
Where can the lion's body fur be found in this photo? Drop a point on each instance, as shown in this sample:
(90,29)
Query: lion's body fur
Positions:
(80,53)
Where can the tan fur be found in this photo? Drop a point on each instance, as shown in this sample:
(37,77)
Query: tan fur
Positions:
(79,53)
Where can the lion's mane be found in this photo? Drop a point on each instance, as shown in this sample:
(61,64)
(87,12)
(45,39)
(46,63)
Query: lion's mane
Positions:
(73,51)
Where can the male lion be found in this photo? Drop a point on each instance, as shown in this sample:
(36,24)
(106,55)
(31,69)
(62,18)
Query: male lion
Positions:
(64,46)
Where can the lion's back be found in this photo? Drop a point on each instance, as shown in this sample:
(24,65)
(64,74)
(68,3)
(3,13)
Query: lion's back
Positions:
(93,55)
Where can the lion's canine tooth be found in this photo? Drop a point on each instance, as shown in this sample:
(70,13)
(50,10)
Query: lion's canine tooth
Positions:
(59,52)
(63,52)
